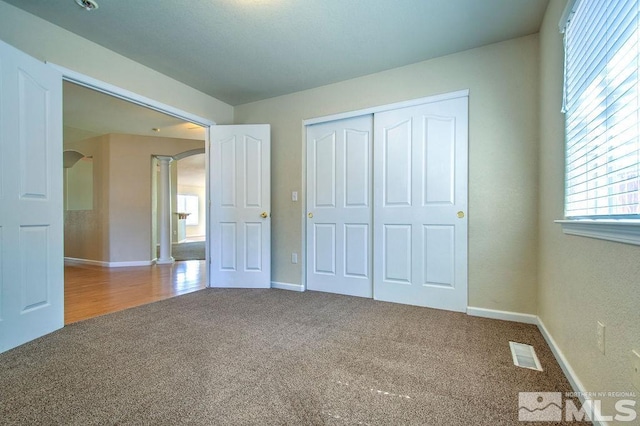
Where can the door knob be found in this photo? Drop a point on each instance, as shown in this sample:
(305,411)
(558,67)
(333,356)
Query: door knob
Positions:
(310,215)
(460,214)
(264,215)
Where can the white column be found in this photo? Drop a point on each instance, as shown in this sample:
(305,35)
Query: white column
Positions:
(164,201)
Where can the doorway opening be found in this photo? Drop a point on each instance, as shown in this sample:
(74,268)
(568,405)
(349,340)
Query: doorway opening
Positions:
(110,204)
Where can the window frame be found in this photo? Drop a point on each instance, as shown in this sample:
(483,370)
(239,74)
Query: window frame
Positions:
(623,229)
(191,215)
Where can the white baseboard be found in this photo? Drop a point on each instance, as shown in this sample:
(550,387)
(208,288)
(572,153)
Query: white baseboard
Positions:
(287,286)
(502,315)
(575,383)
(109,264)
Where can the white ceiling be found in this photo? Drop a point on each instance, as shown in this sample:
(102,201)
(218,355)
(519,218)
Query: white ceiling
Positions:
(246,50)
(87,113)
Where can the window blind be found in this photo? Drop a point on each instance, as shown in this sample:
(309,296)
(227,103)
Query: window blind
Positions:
(601,102)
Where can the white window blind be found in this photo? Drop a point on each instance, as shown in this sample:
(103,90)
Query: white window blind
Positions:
(602,106)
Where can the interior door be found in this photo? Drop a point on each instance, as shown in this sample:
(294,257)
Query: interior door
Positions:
(240,177)
(339,206)
(420,205)
(31,222)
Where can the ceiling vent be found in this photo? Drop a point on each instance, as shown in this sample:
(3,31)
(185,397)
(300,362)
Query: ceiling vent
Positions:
(525,356)
(88,5)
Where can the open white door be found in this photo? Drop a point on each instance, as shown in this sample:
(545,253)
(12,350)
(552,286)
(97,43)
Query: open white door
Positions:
(420,205)
(240,176)
(31,222)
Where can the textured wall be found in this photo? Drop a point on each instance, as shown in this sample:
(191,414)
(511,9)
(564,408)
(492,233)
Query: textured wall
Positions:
(120,226)
(130,191)
(49,42)
(503,135)
(86,231)
(581,280)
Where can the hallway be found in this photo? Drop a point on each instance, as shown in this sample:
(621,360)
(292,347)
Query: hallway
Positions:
(91,291)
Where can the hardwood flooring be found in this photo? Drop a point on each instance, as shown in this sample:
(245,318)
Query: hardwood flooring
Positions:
(90,291)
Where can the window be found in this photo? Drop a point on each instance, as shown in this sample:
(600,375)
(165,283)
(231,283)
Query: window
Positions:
(601,103)
(189,204)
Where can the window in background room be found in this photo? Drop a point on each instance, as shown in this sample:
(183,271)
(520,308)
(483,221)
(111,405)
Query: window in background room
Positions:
(189,204)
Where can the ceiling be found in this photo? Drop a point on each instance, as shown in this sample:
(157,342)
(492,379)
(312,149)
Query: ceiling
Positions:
(241,51)
(87,113)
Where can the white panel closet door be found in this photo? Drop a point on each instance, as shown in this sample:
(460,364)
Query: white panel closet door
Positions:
(339,206)
(240,195)
(420,204)
(31,223)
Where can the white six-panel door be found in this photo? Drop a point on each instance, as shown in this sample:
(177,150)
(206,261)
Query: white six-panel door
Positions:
(420,205)
(31,222)
(339,206)
(240,243)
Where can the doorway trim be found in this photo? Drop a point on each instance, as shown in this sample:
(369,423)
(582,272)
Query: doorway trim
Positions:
(128,96)
(339,116)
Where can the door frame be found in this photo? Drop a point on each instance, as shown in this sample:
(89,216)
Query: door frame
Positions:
(340,116)
(128,96)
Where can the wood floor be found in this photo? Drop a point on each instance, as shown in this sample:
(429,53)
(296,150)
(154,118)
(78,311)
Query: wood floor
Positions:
(90,291)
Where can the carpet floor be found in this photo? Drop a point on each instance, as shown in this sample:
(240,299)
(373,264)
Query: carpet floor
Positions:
(222,356)
(192,250)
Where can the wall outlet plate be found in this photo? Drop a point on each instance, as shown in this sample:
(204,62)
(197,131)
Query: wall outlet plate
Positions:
(635,369)
(600,336)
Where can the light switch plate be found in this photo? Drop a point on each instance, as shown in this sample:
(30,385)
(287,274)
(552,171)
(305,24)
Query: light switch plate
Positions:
(635,369)
(600,336)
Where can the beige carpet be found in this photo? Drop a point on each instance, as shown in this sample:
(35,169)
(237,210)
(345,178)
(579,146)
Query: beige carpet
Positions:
(192,250)
(274,357)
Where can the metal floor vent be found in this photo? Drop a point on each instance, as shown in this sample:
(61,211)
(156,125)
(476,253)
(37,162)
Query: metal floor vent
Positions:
(525,356)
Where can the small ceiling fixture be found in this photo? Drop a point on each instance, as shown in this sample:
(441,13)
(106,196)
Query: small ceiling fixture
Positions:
(155,129)
(88,5)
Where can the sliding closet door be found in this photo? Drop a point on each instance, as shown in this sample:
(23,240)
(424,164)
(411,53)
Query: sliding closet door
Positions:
(339,206)
(420,203)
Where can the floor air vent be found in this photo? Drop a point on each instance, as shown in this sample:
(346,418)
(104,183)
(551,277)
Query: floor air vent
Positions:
(525,356)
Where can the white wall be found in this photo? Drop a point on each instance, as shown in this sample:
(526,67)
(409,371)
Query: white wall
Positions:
(503,83)
(49,42)
(581,280)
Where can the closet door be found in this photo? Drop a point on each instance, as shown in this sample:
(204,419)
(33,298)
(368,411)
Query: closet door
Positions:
(420,204)
(339,206)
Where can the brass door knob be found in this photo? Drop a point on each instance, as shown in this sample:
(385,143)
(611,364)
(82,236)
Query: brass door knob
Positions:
(310,215)
(264,215)
(460,214)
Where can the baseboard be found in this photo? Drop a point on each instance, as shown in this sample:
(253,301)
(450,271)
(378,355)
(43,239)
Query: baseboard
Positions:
(287,286)
(108,264)
(569,373)
(502,315)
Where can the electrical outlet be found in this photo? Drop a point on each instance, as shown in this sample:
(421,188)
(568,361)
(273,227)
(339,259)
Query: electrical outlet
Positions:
(635,369)
(600,336)
(294,257)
